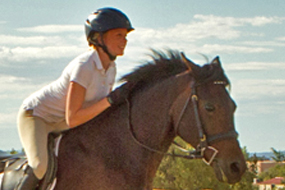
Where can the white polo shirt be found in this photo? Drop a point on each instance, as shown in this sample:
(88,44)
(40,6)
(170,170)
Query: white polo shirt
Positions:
(87,70)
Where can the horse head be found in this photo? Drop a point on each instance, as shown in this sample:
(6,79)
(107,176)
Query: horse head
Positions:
(208,110)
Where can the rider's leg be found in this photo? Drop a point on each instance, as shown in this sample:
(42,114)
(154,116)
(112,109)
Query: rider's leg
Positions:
(33,132)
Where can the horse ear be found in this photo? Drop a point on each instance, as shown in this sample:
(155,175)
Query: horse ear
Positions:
(190,64)
(216,61)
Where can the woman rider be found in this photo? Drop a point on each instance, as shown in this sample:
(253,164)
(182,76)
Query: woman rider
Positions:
(78,95)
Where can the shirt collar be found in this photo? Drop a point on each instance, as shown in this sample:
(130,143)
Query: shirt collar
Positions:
(97,61)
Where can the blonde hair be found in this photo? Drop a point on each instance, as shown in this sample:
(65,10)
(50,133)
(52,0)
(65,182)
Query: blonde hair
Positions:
(92,39)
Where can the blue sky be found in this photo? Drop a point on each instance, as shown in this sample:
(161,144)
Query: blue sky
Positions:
(39,38)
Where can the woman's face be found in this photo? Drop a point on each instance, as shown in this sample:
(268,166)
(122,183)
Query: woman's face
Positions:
(116,41)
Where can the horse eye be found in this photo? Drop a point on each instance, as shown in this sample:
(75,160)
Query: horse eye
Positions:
(209,107)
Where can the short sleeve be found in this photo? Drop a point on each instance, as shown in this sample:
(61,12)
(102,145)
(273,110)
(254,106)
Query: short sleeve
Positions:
(82,74)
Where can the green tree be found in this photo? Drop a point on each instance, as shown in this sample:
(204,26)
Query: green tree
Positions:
(276,171)
(278,155)
(251,160)
(13,151)
(245,153)
(246,182)
(183,174)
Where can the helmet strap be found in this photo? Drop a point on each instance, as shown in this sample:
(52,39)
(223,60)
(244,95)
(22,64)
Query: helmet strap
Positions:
(103,46)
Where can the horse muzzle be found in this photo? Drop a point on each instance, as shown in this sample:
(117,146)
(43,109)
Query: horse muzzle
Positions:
(229,171)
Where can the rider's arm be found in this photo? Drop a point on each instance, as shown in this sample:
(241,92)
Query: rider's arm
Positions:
(74,113)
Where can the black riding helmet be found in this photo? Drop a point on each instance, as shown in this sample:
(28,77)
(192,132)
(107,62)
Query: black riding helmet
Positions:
(101,21)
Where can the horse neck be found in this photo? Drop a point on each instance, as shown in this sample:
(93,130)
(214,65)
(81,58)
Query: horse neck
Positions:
(150,112)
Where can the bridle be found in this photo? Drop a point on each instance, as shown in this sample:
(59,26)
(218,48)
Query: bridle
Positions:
(204,140)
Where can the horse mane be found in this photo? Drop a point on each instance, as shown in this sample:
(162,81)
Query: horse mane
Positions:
(164,65)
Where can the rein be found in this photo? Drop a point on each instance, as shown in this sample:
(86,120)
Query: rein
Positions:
(198,153)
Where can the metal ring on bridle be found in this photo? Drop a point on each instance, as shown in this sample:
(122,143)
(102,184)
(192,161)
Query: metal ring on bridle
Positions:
(195,97)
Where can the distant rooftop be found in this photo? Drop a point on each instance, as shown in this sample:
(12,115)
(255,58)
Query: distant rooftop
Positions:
(276,181)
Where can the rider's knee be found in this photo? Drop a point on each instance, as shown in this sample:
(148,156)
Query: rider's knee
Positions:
(39,169)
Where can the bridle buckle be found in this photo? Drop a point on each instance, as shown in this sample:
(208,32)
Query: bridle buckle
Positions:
(215,152)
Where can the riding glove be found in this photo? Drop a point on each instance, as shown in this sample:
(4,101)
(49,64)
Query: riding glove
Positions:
(120,94)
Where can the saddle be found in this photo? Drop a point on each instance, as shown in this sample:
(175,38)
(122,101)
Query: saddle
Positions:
(15,167)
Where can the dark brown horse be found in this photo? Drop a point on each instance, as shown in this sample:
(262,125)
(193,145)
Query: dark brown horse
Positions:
(122,148)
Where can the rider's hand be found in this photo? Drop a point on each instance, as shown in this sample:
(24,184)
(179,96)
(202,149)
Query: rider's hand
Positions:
(120,94)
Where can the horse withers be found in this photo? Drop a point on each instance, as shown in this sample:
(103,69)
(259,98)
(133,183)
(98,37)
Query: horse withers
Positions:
(122,148)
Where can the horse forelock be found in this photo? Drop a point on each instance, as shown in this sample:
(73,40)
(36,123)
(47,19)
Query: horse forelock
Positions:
(211,73)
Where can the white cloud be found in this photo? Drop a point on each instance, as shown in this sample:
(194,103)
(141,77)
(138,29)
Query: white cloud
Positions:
(22,54)
(181,37)
(185,33)
(262,20)
(281,38)
(12,92)
(230,49)
(13,87)
(34,40)
(210,27)
(259,97)
(278,43)
(254,66)
(234,22)
(256,89)
(146,38)
(53,29)
(41,41)
(7,119)
(21,48)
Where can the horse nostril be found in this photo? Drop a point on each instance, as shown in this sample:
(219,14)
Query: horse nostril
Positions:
(235,167)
